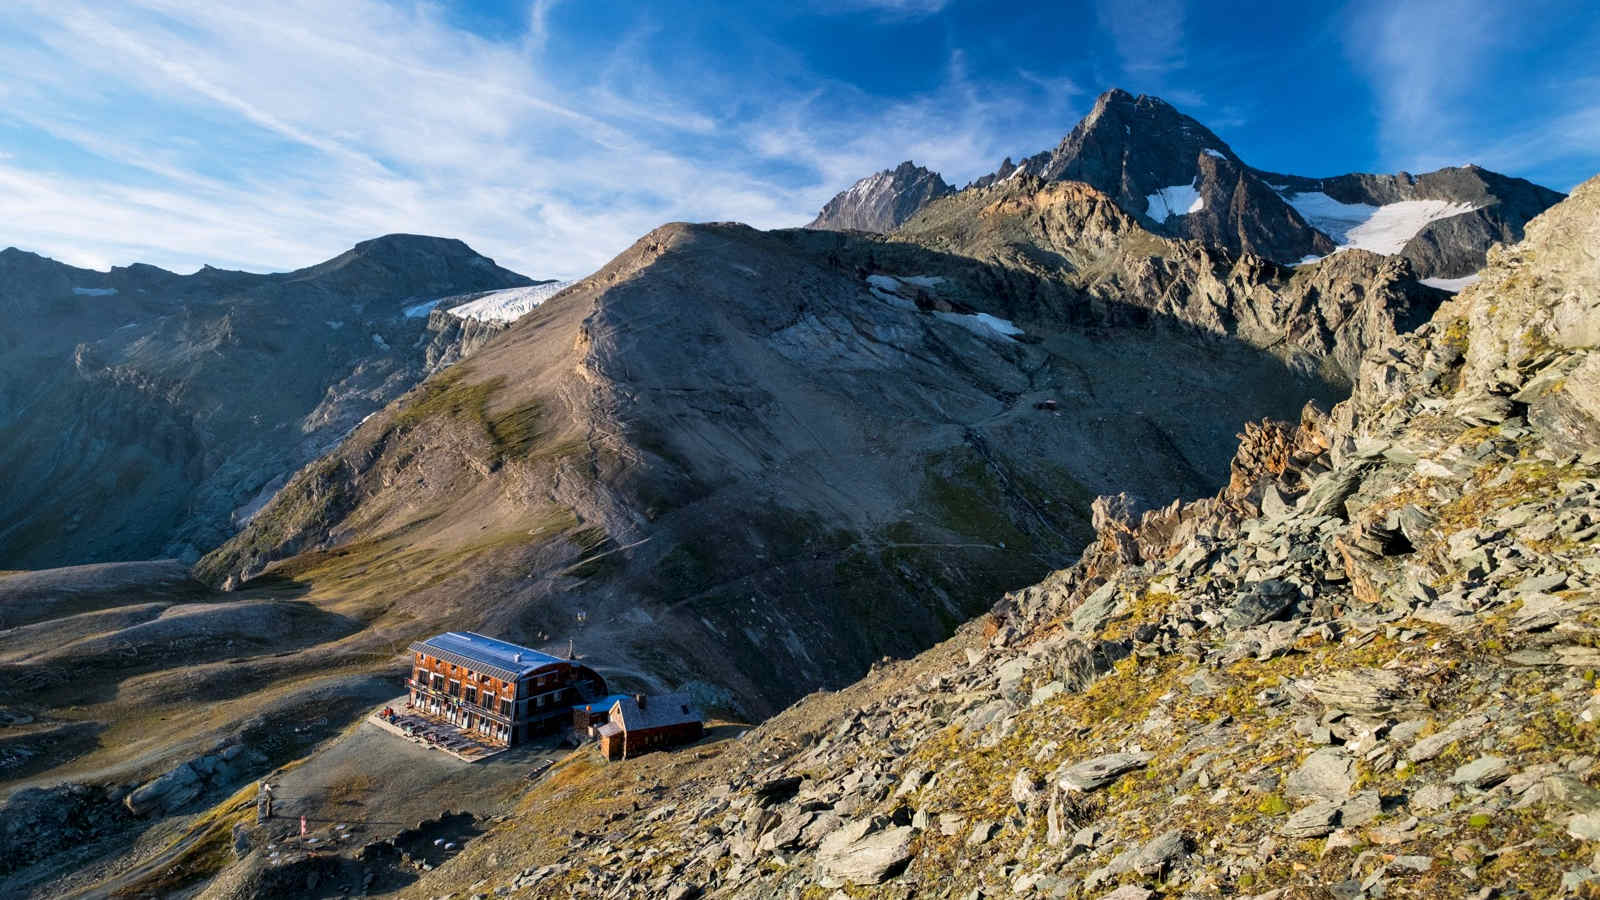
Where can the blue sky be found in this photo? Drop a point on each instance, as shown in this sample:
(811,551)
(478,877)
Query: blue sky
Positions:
(552,134)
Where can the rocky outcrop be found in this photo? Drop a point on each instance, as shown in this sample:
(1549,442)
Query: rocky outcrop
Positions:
(882,201)
(36,823)
(176,788)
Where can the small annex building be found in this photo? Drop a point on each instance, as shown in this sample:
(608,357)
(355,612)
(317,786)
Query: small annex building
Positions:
(587,717)
(496,690)
(638,724)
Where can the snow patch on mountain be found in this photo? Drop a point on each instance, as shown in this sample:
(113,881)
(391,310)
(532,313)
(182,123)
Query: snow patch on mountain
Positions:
(510,304)
(1177,200)
(1381,229)
(1216,153)
(893,283)
(982,324)
(1453,285)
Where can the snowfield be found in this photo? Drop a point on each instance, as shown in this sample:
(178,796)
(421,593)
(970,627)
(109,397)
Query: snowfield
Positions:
(1177,200)
(1381,229)
(510,304)
(506,305)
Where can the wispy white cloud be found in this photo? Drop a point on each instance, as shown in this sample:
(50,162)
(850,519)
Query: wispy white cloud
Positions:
(1420,57)
(539,22)
(892,8)
(1148,35)
(184,131)
(1437,70)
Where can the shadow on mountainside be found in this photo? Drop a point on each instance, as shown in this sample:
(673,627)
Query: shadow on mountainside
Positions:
(772,486)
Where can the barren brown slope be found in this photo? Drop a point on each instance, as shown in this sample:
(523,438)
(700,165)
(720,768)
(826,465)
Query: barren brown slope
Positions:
(752,462)
(758,461)
(1366,668)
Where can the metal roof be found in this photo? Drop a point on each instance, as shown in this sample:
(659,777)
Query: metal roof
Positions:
(603,704)
(657,712)
(480,653)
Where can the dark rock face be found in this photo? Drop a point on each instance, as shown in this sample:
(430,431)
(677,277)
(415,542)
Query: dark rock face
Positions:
(1139,148)
(1180,180)
(38,822)
(140,410)
(881,202)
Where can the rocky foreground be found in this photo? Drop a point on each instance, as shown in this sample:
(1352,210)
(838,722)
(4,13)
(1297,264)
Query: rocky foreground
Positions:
(1366,668)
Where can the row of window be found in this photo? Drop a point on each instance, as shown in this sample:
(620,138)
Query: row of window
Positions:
(469,694)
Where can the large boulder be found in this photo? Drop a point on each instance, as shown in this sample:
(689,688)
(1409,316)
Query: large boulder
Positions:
(855,855)
(1565,409)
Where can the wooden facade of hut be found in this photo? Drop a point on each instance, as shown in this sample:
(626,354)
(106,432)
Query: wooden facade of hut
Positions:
(495,690)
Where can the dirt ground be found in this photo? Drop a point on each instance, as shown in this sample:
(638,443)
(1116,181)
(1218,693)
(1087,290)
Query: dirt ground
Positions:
(379,784)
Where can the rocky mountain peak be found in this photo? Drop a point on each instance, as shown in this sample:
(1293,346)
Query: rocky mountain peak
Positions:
(405,266)
(883,200)
(1142,124)
(208,388)
(415,244)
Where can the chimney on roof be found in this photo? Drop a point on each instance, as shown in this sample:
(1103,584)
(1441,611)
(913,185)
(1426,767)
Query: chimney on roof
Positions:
(639,699)
(516,657)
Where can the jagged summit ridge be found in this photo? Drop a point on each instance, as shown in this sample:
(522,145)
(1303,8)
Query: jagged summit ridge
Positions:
(1181,180)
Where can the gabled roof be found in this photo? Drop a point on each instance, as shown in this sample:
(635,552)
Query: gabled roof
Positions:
(657,712)
(491,656)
